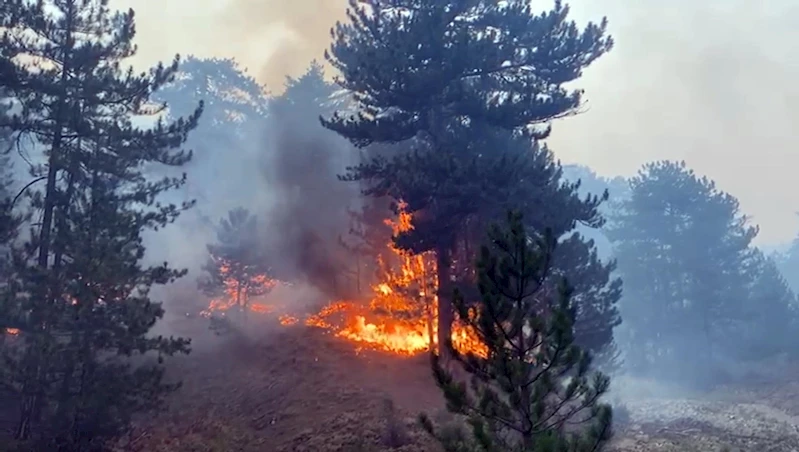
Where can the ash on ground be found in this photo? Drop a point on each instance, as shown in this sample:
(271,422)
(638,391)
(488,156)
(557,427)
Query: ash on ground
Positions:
(753,417)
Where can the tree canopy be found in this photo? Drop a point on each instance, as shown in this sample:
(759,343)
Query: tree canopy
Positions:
(518,398)
(449,78)
(80,293)
(692,277)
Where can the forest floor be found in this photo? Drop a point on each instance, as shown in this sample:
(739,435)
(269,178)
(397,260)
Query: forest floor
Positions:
(298,389)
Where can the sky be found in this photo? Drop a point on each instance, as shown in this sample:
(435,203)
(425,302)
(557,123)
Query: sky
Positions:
(712,83)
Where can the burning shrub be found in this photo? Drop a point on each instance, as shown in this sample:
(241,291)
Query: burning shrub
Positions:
(235,268)
(534,380)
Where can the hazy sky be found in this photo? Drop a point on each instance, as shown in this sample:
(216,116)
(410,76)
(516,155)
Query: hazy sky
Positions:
(709,82)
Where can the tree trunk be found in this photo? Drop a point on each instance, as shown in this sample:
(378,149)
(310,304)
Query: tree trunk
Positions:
(445,314)
(428,309)
(31,390)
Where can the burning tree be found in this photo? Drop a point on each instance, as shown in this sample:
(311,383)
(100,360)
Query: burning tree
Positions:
(236,271)
(435,74)
(534,380)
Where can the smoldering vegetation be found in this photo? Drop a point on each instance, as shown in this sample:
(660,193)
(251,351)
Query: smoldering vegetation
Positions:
(283,166)
(286,168)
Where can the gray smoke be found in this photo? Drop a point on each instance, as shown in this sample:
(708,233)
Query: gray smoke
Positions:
(301,164)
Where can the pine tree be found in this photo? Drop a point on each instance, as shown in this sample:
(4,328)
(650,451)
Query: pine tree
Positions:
(535,380)
(366,242)
(236,268)
(683,248)
(83,304)
(234,114)
(427,70)
(788,263)
(229,94)
(9,222)
(768,322)
(8,74)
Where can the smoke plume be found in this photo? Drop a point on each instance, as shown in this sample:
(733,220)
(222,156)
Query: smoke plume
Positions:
(305,27)
(273,38)
(310,208)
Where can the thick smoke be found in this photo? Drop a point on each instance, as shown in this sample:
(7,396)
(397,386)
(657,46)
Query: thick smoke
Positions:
(309,213)
(273,38)
(707,61)
(305,27)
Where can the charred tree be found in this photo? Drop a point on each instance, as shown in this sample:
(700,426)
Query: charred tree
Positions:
(426,71)
(83,301)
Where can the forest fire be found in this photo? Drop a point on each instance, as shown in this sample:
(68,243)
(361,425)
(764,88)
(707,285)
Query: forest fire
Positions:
(400,318)
(237,290)
(404,306)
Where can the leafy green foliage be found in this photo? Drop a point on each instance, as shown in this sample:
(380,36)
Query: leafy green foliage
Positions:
(535,381)
(80,293)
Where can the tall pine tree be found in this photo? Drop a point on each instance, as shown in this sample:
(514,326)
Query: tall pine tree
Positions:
(233,118)
(426,71)
(82,305)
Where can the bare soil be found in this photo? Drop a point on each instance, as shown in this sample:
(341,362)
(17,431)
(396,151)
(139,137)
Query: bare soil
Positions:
(299,389)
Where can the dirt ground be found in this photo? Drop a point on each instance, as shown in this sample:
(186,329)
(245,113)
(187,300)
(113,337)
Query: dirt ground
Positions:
(298,389)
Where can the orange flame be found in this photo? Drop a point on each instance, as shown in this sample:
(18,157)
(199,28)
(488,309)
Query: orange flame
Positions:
(404,307)
(401,316)
(237,291)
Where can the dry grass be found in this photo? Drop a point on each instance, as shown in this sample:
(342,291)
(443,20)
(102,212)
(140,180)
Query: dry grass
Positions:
(297,389)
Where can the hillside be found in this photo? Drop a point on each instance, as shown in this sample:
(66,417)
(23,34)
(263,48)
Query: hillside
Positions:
(299,389)
(288,389)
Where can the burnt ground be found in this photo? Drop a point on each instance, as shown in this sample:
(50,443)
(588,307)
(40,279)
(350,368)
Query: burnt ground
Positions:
(298,389)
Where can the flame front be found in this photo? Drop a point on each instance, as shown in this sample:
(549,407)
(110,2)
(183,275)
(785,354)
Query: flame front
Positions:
(237,292)
(401,316)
